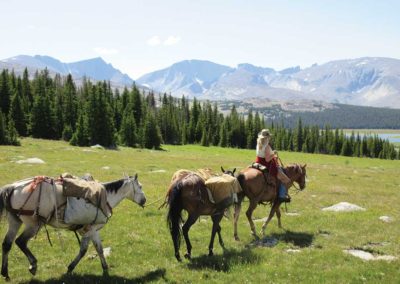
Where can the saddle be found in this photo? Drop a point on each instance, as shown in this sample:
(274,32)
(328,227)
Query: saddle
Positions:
(265,172)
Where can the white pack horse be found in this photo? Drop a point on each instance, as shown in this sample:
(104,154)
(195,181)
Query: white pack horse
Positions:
(27,205)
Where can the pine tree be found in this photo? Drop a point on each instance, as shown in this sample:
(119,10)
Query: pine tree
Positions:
(5,91)
(204,139)
(128,130)
(42,117)
(151,133)
(12,135)
(70,102)
(17,114)
(81,135)
(3,129)
(223,141)
(298,141)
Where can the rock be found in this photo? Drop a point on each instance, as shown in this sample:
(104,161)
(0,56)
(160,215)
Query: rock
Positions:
(105,168)
(364,255)
(293,250)
(292,214)
(344,207)
(31,161)
(107,251)
(97,146)
(158,171)
(386,219)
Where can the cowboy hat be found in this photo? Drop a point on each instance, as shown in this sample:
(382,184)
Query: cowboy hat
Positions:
(264,133)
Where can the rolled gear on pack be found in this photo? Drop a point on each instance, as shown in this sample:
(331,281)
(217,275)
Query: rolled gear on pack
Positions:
(86,202)
(222,190)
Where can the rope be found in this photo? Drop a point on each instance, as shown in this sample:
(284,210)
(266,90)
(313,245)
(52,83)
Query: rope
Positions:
(147,205)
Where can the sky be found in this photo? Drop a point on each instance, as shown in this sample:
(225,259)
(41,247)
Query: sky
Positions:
(139,37)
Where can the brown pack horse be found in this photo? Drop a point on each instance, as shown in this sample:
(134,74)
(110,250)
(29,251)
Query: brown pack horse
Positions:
(189,193)
(258,191)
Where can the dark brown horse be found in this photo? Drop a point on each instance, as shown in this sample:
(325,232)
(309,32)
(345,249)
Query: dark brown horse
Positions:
(190,193)
(257,190)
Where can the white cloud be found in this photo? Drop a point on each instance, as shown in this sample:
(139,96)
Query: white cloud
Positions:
(154,41)
(172,40)
(105,51)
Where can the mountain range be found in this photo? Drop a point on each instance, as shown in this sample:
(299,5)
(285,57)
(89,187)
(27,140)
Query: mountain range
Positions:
(95,68)
(367,81)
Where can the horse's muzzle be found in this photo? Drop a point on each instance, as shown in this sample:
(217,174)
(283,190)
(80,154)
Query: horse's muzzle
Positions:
(142,202)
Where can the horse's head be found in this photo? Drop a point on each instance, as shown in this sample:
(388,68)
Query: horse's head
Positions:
(228,172)
(297,173)
(136,193)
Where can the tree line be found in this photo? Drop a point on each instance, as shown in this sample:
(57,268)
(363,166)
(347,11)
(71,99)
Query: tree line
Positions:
(93,113)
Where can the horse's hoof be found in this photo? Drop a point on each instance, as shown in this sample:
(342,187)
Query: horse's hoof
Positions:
(237,238)
(7,279)
(188,256)
(178,258)
(33,269)
(255,236)
(210,253)
(105,273)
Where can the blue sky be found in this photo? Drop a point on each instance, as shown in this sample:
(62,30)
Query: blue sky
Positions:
(142,36)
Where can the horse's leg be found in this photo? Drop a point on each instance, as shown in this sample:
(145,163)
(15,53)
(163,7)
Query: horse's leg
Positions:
(238,207)
(249,213)
(218,220)
(99,248)
(82,251)
(13,226)
(278,215)
(185,230)
(215,228)
(274,208)
(22,242)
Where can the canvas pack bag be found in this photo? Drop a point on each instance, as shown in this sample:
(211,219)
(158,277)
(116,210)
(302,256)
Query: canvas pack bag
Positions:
(223,189)
(81,212)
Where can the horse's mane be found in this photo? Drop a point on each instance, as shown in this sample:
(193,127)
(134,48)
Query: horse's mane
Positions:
(114,186)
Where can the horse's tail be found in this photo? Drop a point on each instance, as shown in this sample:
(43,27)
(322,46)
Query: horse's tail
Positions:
(174,216)
(3,192)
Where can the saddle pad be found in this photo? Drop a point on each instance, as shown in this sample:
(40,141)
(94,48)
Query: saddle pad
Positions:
(80,212)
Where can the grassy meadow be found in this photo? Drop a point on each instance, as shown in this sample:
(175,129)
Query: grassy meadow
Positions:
(141,247)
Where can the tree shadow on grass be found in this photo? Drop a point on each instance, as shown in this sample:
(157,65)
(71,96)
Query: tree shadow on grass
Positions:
(298,239)
(224,262)
(98,279)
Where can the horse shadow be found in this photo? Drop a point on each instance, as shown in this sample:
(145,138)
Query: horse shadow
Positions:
(98,279)
(224,262)
(298,239)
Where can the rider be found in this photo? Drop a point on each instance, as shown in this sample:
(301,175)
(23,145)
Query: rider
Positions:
(267,157)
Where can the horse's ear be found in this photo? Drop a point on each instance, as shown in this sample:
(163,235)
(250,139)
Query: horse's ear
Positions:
(136,176)
(234,170)
(222,169)
(305,165)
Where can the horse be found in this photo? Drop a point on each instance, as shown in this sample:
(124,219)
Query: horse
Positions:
(190,193)
(41,207)
(256,188)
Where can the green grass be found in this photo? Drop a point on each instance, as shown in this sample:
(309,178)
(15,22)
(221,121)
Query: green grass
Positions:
(142,249)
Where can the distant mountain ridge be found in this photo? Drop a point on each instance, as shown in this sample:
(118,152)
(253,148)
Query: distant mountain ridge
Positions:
(367,81)
(95,68)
